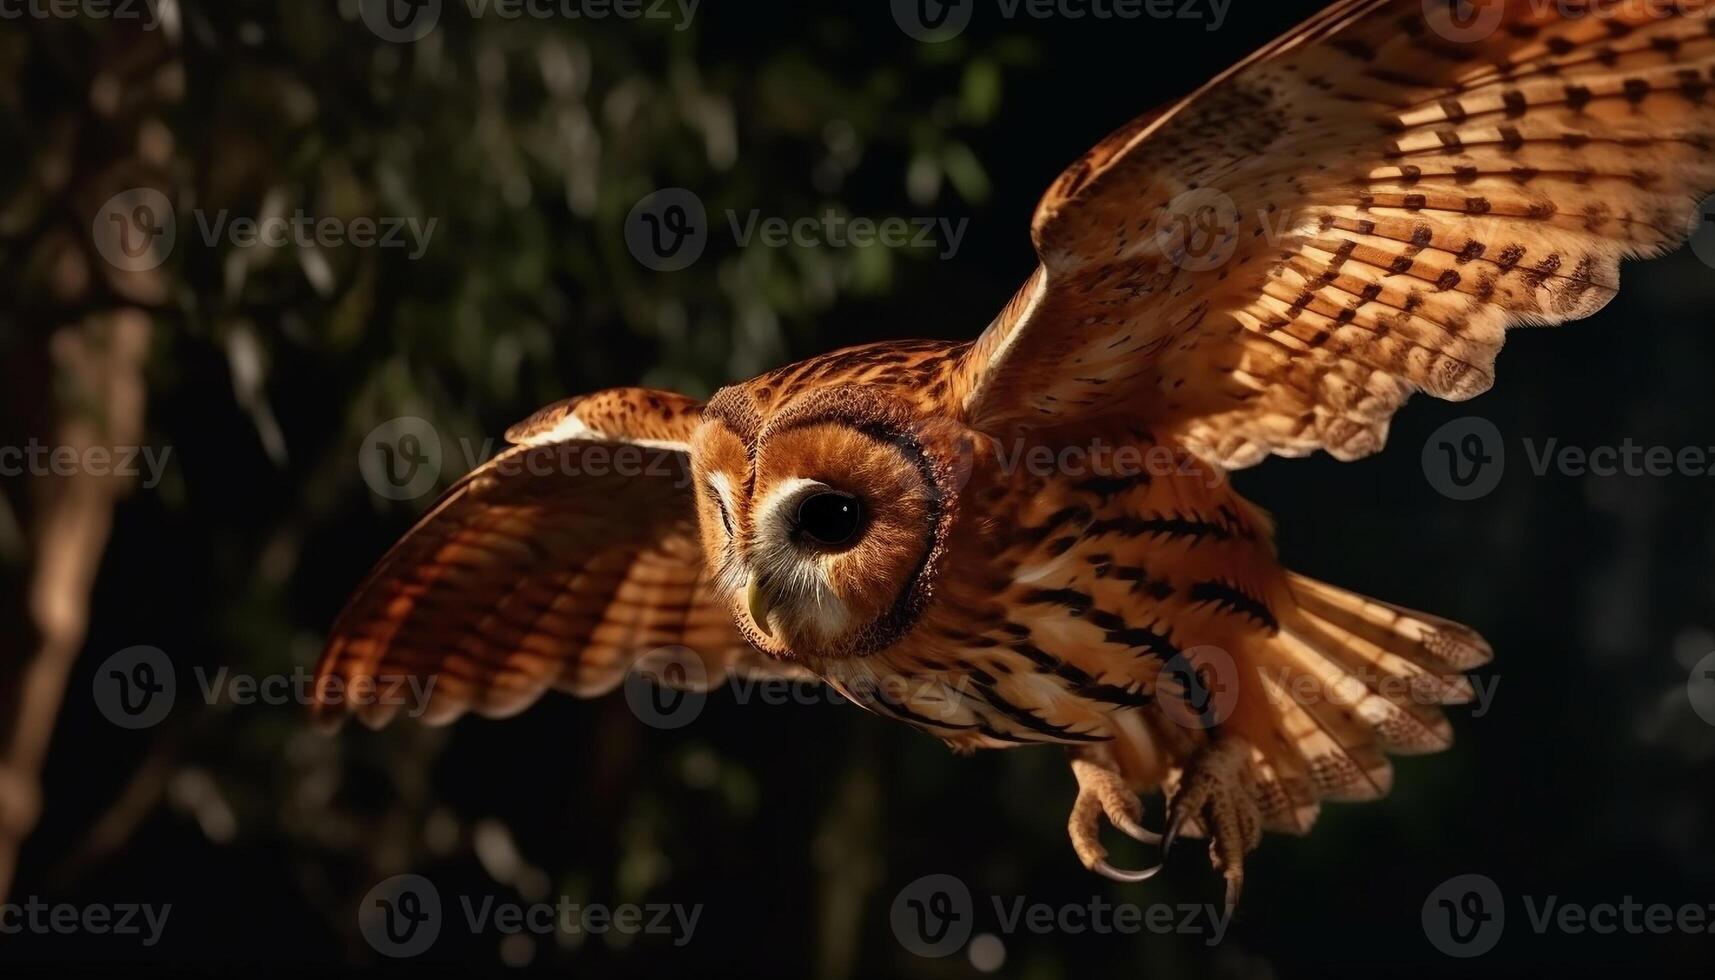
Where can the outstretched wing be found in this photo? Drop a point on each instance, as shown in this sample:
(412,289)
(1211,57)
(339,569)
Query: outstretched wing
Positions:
(559,564)
(1274,264)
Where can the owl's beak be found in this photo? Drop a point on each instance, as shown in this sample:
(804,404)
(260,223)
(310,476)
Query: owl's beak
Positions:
(759,603)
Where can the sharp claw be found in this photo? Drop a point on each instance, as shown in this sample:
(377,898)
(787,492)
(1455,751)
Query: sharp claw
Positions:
(1175,823)
(1131,828)
(1102,793)
(1107,870)
(1235,885)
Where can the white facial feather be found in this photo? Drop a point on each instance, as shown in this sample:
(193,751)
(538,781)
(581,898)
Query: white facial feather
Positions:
(798,579)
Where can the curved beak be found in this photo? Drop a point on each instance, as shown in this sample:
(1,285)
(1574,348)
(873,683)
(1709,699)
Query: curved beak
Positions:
(758,601)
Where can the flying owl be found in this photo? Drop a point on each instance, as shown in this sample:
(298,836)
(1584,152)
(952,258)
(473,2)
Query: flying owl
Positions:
(1030,538)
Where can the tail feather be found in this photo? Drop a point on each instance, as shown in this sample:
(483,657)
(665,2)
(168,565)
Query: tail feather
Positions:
(1353,679)
(1433,643)
(1345,762)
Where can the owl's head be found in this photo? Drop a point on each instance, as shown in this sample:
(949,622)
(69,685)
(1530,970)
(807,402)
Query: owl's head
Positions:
(824,523)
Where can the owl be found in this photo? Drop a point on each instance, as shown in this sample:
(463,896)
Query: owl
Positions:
(1030,538)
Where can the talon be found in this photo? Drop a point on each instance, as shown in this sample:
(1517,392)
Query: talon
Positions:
(1235,885)
(1102,792)
(1213,790)
(1106,870)
(1176,823)
(1131,828)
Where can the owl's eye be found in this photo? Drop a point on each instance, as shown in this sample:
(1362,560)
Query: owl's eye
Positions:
(720,506)
(829,518)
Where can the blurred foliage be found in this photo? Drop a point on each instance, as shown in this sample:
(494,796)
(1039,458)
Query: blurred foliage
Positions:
(528,142)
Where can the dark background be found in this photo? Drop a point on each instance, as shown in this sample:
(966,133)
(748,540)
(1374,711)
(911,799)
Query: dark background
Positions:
(795,826)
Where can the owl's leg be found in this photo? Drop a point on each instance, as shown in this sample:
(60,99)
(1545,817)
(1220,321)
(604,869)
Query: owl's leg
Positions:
(1102,790)
(1213,791)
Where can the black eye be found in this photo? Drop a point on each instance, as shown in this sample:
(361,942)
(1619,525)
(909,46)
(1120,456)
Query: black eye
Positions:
(829,518)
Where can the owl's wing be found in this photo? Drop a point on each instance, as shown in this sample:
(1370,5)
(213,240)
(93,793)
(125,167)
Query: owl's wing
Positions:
(556,564)
(1275,263)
